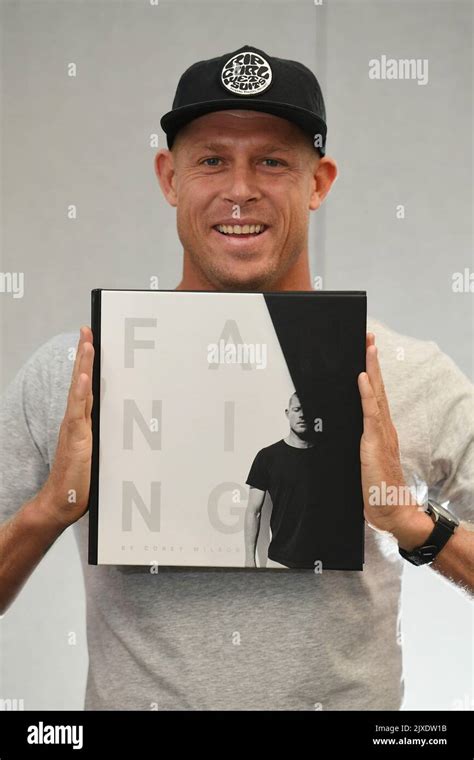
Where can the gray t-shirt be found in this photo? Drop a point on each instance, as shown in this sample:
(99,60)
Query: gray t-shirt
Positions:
(232,639)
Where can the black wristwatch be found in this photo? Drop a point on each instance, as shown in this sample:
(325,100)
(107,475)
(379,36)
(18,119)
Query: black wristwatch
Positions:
(445,525)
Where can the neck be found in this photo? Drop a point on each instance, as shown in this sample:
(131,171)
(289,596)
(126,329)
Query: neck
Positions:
(299,443)
(298,277)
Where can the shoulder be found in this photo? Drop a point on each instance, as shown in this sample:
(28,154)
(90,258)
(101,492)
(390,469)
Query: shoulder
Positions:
(33,402)
(395,345)
(46,366)
(56,348)
(413,365)
(60,346)
(44,379)
(429,396)
(268,452)
(53,360)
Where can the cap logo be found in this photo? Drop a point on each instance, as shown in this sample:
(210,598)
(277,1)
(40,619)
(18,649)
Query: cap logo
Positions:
(246,73)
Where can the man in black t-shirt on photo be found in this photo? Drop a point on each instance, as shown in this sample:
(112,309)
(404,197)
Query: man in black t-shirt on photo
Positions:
(290,471)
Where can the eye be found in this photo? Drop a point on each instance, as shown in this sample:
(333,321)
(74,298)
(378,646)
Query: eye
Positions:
(213,161)
(272,162)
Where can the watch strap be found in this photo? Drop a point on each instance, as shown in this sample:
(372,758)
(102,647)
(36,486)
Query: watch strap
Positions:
(439,536)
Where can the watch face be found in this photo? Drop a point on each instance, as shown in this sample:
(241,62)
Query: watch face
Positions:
(437,510)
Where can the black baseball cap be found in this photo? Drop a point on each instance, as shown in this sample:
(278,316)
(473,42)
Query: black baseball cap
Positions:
(249,79)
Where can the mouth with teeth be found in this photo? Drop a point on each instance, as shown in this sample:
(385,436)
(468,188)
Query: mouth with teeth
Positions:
(239,229)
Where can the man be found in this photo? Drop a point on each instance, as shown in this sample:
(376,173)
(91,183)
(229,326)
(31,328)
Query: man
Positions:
(242,134)
(292,472)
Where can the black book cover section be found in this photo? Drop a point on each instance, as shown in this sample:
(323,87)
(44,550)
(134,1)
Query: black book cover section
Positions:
(96,301)
(322,338)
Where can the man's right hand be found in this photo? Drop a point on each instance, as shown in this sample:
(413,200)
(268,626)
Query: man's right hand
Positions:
(65,495)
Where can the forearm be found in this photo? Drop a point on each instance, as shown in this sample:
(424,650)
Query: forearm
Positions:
(455,560)
(251,528)
(24,540)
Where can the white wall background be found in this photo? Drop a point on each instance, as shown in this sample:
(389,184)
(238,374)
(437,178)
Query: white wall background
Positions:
(86,141)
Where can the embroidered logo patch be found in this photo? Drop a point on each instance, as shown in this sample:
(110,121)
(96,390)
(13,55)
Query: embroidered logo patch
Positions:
(246,73)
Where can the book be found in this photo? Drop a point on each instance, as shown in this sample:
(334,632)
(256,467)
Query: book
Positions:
(226,429)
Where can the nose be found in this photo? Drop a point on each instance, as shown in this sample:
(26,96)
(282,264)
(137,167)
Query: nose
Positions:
(241,184)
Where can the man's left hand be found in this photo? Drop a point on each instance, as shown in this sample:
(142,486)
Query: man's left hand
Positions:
(380,461)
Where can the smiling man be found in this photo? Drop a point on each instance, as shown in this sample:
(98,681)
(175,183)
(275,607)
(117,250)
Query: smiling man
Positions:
(244,202)
(241,161)
(245,167)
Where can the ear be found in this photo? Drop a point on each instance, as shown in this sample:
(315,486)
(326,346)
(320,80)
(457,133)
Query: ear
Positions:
(325,173)
(165,171)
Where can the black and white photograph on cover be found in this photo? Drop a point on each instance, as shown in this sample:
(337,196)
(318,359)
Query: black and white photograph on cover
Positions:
(291,473)
(96,197)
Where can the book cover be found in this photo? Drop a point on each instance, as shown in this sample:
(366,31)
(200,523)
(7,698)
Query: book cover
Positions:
(226,429)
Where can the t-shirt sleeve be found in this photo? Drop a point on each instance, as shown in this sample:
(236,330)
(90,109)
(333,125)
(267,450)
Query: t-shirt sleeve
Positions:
(258,475)
(450,407)
(24,414)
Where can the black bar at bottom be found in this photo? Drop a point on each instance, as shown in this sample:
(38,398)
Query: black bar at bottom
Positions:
(63,734)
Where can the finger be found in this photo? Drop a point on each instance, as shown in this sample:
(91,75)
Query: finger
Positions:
(376,380)
(370,407)
(85,334)
(370,340)
(81,388)
(75,368)
(89,399)
(89,404)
